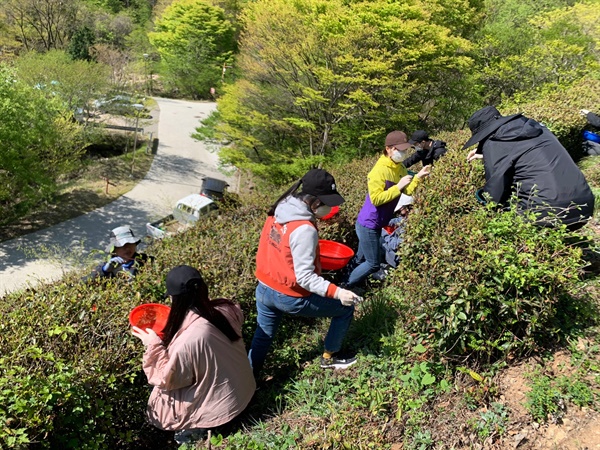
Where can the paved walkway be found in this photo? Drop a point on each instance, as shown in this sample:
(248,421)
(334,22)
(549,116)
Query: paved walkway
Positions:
(176,171)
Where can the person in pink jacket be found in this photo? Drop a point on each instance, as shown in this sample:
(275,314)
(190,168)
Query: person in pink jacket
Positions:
(200,371)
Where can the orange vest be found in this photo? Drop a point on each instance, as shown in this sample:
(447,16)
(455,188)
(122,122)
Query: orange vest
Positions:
(274,263)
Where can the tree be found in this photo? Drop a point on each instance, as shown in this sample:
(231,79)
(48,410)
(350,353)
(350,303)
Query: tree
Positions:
(328,78)
(43,24)
(194,41)
(75,83)
(38,143)
(527,45)
(79,46)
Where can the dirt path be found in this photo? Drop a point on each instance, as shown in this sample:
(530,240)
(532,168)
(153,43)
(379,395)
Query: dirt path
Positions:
(177,170)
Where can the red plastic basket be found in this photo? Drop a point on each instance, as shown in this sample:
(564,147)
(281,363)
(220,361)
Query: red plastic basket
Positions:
(334,255)
(150,315)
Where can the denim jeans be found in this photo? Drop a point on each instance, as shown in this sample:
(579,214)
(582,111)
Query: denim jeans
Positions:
(271,305)
(369,254)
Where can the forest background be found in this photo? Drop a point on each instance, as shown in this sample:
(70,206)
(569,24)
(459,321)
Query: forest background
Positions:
(298,84)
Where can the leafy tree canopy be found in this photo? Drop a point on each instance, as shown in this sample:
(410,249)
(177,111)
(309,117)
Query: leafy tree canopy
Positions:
(528,45)
(75,83)
(195,41)
(39,143)
(329,78)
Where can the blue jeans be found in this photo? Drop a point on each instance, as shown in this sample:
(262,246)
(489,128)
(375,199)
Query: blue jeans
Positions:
(271,305)
(369,254)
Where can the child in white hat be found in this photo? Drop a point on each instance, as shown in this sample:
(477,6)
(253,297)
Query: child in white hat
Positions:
(124,258)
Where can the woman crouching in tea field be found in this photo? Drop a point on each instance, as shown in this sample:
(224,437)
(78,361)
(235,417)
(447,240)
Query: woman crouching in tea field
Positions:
(200,371)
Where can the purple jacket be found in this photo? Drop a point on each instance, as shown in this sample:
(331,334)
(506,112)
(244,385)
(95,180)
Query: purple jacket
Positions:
(383,194)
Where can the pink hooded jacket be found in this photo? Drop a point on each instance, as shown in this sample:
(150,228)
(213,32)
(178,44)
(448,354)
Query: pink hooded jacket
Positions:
(202,379)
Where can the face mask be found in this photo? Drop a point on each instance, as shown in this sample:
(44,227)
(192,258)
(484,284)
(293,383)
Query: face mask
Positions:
(322,211)
(417,148)
(397,156)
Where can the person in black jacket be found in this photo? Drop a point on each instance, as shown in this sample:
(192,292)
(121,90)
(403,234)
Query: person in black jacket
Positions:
(591,140)
(523,157)
(427,150)
(593,119)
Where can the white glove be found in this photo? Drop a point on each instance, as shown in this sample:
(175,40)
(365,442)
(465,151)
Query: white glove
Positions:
(584,112)
(113,265)
(147,336)
(346,297)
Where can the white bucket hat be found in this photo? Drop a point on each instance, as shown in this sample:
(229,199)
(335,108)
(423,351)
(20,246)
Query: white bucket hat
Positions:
(404,200)
(121,236)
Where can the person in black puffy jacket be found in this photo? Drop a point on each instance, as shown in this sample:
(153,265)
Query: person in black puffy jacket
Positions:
(427,151)
(591,139)
(523,157)
(593,119)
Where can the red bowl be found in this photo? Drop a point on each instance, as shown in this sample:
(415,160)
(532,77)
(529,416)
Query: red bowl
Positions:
(333,212)
(150,315)
(334,255)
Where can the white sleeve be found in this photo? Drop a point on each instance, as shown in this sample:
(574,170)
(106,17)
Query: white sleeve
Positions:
(303,245)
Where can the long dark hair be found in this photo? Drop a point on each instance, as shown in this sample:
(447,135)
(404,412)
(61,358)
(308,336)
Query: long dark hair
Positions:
(291,191)
(306,198)
(196,299)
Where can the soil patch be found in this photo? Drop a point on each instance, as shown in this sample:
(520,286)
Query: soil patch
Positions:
(457,424)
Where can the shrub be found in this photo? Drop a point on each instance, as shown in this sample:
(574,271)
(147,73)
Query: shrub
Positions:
(480,283)
(70,372)
(558,108)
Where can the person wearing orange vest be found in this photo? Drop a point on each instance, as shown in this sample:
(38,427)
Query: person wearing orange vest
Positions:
(289,272)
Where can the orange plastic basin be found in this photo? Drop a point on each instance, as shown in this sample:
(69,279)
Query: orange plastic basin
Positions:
(334,255)
(150,315)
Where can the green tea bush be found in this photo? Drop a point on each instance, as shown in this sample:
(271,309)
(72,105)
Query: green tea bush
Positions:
(479,282)
(69,366)
(70,371)
(559,108)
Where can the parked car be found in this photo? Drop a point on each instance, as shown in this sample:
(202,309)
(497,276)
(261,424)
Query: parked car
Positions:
(187,211)
(119,104)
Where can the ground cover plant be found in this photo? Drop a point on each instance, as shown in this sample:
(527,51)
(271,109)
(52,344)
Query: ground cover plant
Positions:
(69,359)
(478,291)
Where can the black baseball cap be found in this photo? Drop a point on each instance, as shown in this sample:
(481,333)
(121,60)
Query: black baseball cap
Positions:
(179,277)
(419,136)
(321,184)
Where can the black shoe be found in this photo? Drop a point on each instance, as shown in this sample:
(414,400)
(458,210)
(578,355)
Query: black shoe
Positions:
(336,362)
(380,275)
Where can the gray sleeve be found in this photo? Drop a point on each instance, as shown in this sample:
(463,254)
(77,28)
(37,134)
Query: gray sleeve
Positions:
(593,119)
(303,245)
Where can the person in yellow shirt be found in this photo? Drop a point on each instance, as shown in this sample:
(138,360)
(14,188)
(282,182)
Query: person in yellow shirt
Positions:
(386,181)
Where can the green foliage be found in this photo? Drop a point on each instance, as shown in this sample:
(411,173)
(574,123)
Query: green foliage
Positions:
(481,283)
(558,107)
(330,78)
(557,44)
(76,83)
(544,400)
(576,391)
(68,356)
(195,41)
(39,143)
(491,422)
(79,46)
